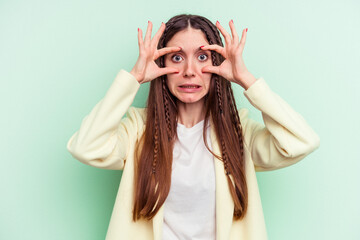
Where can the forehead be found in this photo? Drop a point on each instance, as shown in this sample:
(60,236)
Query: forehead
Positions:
(188,37)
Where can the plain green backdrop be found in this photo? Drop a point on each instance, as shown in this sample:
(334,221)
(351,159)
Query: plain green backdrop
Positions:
(58,58)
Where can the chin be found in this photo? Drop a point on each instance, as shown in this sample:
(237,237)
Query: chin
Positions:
(190,99)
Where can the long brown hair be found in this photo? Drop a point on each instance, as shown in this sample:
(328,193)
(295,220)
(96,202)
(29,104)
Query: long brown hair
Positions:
(154,154)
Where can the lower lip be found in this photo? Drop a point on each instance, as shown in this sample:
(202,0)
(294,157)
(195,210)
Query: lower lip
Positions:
(189,90)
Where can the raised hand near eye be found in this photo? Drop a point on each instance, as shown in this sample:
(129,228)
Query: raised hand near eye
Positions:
(233,67)
(145,68)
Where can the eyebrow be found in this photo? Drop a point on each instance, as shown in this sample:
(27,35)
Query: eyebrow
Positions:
(196,50)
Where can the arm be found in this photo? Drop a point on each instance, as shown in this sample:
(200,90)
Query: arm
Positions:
(104,137)
(286,137)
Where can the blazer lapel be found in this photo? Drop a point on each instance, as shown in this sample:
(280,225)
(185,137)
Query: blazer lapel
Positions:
(158,223)
(224,202)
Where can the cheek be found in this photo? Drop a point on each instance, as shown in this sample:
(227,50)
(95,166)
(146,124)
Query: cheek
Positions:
(207,83)
(207,77)
(170,83)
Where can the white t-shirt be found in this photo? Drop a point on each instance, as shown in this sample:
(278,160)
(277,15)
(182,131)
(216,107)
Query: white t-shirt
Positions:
(189,210)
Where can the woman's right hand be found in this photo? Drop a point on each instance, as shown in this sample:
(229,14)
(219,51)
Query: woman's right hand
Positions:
(145,68)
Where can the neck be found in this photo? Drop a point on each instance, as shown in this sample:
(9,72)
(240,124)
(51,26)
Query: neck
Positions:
(190,113)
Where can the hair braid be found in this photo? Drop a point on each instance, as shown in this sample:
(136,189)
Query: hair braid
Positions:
(225,158)
(217,35)
(217,59)
(167,112)
(165,92)
(232,107)
(156,141)
(215,31)
(236,118)
(219,95)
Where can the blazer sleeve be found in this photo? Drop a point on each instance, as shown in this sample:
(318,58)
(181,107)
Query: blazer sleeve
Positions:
(104,137)
(285,139)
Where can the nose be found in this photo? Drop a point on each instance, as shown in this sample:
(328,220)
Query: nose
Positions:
(189,69)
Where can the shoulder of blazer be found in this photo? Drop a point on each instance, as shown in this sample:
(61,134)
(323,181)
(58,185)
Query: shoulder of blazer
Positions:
(138,116)
(243,113)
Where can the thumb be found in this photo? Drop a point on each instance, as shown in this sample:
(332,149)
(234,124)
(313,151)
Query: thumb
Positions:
(168,70)
(211,69)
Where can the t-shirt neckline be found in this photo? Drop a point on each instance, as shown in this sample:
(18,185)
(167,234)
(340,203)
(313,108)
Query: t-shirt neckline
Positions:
(194,128)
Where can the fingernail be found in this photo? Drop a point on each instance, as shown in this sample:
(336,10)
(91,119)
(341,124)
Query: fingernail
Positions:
(232,21)
(246,29)
(201,46)
(217,22)
(138,29)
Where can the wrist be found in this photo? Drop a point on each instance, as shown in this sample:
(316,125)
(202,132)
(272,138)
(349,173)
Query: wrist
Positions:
(247,80)
(136,76)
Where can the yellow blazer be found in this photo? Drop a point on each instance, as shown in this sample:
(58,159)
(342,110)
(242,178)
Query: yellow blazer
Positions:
(106,139)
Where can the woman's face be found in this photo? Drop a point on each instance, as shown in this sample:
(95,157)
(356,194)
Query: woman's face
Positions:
(190,85)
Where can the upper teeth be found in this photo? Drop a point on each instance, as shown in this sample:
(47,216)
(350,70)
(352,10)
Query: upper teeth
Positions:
(189,86)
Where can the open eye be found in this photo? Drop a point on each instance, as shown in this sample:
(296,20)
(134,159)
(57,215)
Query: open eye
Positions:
(203,57)
(176,58)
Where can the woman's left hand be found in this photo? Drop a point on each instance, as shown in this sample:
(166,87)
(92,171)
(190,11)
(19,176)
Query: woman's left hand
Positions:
(233,67)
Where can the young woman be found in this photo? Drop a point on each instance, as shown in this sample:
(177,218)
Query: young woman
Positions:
(189,158)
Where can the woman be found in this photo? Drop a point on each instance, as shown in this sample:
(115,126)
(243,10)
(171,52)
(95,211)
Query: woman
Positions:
(189,158)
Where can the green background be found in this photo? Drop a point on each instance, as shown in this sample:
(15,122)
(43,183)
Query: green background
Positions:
(58,58)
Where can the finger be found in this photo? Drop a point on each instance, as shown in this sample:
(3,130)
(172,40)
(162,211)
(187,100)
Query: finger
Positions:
(148,33)
(158,34)
(224,33)
(233,32)
(243,40)
(211,69)
(168,70)
(166,50)
(215,48)
(140,39)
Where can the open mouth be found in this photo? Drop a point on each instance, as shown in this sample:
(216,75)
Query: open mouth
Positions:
(189,86)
